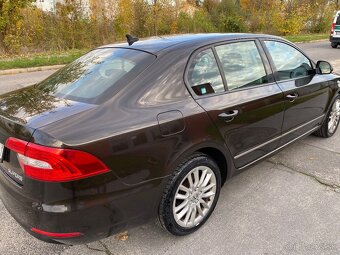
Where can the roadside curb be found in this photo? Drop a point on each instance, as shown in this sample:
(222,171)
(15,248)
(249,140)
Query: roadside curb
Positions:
(30,69)
(314,41)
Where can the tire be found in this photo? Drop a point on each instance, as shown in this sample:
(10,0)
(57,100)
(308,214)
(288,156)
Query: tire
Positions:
(331,122)
(334,45)
(182,211)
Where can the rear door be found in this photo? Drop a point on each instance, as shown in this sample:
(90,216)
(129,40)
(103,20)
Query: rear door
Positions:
(233,83)
(306,93)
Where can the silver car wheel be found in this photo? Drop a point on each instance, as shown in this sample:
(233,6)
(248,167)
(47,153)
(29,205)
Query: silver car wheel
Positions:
(334,116)
(194,197)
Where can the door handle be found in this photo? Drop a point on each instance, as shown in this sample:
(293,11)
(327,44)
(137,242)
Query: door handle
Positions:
(292,97)
(228,116)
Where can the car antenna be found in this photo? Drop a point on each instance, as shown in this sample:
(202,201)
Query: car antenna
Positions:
(131,39)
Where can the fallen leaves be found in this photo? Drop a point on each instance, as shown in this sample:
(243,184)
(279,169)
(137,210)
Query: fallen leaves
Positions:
(123,236)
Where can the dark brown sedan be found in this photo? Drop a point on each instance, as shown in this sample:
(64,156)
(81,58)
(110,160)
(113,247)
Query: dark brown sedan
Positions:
(130,132)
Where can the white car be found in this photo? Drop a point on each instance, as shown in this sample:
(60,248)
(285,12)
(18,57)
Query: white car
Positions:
(335,32)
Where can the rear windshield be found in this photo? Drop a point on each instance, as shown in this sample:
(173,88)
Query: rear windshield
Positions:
(338,19)
(98,75)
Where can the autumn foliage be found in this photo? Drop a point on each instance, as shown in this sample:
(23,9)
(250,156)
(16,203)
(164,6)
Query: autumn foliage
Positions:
(78,24)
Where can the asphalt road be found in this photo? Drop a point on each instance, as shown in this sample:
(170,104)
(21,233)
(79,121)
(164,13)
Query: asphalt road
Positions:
(17,81)
(288,204)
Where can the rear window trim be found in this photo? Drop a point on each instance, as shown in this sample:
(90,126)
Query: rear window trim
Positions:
(126,48)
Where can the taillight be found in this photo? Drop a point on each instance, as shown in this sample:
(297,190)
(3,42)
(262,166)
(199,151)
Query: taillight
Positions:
(56,235)
(54,164)
(333,28)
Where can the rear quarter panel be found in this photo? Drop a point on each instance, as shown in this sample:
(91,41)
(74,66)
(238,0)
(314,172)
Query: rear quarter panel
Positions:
(124,132)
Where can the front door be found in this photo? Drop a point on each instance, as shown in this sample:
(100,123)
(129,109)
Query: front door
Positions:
(306,93)
(232,84)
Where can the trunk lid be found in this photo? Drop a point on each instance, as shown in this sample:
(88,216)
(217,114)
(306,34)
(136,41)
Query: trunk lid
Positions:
(21,113)
(9,164)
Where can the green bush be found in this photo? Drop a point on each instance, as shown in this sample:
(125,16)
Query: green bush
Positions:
(29,29)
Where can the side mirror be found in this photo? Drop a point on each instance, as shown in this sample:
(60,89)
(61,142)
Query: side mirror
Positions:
(323,67)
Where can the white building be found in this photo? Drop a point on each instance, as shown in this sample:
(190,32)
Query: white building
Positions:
(50,5)
(47,5)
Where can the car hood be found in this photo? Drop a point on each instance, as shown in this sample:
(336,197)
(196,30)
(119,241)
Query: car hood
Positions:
(35,108)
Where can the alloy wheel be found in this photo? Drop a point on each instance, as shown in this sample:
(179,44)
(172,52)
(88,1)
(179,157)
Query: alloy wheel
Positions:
(194,197)
(334,116)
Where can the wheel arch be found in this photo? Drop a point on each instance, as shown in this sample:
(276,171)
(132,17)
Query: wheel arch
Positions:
(220,160)
(335,96)
(218,152)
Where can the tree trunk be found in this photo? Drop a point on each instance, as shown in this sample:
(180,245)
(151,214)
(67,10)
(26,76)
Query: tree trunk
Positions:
(2,45)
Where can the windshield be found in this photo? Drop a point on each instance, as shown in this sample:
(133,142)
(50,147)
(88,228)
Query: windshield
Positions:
(98,75)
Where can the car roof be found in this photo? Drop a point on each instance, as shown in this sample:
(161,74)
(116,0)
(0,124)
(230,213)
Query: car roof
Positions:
(156,44)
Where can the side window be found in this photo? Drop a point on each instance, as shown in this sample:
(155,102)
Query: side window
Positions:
(289,62)
(242,64)
(204,76)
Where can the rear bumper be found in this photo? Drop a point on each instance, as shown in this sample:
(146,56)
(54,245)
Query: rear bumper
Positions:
(334,39)
(96,215)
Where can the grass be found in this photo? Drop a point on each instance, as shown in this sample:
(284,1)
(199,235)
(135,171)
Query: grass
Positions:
(306,37)
(42,59)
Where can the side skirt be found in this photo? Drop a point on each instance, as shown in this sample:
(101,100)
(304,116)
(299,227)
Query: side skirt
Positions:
(279,148)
